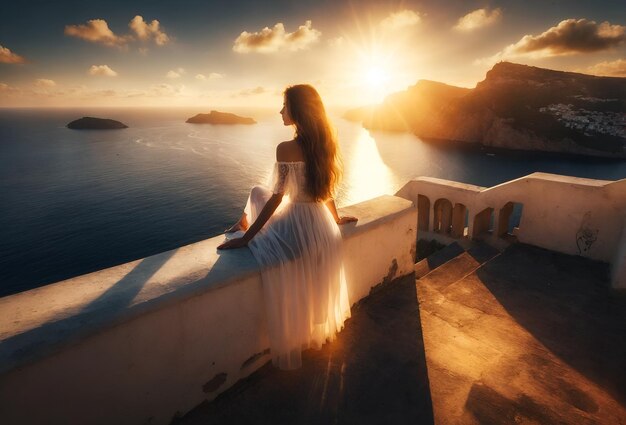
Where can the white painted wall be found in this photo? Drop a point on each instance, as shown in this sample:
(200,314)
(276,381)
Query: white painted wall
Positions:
(618,266)
(559,212)
(136,343)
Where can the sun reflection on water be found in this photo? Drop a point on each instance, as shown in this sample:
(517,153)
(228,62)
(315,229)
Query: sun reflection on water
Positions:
(366,175)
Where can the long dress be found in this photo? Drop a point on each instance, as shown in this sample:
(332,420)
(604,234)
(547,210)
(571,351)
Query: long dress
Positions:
(299,250)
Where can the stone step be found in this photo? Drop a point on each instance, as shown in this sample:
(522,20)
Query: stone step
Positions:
(482,252)
(450,272)
(437,259)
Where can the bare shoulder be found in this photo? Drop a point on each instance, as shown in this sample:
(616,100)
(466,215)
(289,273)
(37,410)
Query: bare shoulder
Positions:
(288,151)
(283,148)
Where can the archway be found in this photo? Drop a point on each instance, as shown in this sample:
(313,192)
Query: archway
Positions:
(423,213)
(443,216)
(483,223)
(459,220)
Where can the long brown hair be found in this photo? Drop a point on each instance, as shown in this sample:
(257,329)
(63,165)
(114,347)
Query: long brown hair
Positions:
(316,138)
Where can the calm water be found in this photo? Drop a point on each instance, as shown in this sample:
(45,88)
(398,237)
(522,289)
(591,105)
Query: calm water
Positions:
(73,202)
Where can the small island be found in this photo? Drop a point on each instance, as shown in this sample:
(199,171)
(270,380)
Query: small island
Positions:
(91,123)
(216,117)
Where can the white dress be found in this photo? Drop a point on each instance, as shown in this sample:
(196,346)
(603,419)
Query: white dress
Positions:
(299,250)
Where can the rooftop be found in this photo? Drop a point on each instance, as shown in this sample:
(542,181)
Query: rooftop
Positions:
(523,336)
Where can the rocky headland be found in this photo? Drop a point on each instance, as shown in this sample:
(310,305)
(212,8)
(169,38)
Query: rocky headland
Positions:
(91,123)
(516,107)
(216,117)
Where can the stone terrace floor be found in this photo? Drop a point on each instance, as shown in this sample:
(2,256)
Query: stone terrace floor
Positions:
(527,337)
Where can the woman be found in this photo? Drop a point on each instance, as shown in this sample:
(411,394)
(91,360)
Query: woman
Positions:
(294,234)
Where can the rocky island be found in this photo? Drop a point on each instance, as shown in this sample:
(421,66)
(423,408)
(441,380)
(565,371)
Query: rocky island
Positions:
(91,123)
(516,107)
(216,117)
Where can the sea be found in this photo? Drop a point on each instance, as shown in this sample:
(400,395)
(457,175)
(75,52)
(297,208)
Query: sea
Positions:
(76,201)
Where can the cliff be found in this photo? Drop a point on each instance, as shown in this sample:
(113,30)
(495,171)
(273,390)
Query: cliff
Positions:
(515,107)
(216,117)
(91,123)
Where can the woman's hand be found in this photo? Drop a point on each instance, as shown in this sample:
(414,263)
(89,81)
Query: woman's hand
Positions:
(346,219)
(234,243)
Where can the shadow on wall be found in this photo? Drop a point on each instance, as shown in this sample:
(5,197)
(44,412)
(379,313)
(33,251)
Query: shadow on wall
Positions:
(102,310)
(374,372)
(566,303)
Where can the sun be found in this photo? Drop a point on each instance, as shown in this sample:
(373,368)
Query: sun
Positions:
(373,65)
(376,76)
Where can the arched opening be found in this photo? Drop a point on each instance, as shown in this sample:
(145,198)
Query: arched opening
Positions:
(423,213)
(443,216)
(483,223)
(509,219)
(459,220)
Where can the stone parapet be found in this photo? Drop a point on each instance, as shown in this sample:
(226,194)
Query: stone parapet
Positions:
(564,214)
(144,341)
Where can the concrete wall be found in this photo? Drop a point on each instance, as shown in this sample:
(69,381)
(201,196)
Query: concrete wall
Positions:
(565,214)
(137,343)
(618,266)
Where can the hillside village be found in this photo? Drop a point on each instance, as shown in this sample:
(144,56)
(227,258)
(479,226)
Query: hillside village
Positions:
(602,122)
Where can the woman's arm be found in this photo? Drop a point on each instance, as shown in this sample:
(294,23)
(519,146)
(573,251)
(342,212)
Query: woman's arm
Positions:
(264,215)
(330,204)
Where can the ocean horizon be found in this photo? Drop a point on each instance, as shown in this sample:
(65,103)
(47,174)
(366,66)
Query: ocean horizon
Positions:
(77,201)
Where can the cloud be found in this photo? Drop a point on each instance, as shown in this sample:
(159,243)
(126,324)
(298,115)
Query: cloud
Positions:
(270,40)
(337,42)
(155,90)
(167,90)
(135,93)
(102,70)
(478,19)
(96,31)
(569,37)
(44,83)
(251,92)
(9,90)
(34,95)
(175,73)
(402,19)
(7,56)
(145,31)
(76,89)
(106,93)
(211,76)
(616,68)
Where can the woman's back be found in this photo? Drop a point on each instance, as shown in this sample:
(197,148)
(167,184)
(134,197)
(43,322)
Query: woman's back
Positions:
(289,151)
(289,178)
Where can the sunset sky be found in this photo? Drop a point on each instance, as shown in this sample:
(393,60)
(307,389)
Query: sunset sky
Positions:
(243,53)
